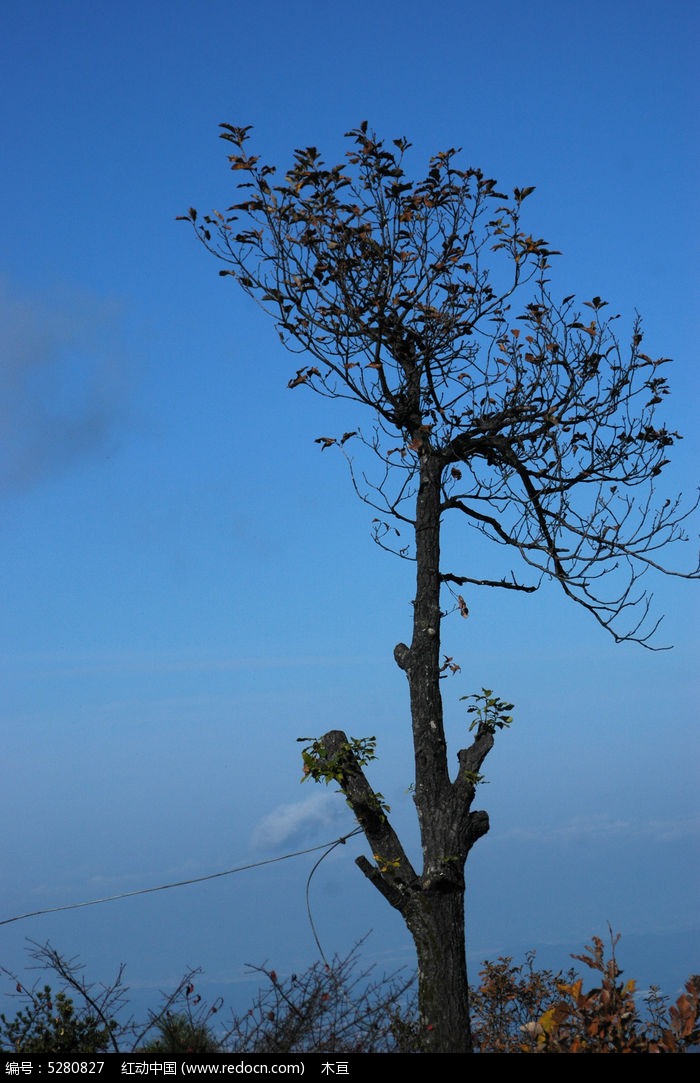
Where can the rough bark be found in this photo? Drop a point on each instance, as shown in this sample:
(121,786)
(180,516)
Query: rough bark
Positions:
(432,902)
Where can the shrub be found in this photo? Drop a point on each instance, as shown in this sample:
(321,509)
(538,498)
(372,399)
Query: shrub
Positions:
(343,1008)
(50,1023)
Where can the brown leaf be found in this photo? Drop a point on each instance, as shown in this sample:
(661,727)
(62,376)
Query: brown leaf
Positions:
(300,378)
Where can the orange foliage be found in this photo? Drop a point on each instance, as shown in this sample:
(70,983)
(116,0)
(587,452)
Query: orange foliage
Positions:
(563,1018)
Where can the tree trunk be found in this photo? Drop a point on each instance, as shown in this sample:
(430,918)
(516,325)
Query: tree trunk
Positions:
(432,902)
(435,913)
(435,919)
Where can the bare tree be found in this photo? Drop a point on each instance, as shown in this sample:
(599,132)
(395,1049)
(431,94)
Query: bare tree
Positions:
(428,303)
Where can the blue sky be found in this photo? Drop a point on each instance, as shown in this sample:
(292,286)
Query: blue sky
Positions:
(188,585)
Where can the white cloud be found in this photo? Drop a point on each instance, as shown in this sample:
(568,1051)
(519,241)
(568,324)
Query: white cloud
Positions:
(303,822)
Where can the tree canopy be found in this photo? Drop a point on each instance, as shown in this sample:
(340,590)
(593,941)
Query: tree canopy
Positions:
(429,303)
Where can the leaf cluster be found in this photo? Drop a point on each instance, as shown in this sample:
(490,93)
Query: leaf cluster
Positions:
(490,712)
(323,766)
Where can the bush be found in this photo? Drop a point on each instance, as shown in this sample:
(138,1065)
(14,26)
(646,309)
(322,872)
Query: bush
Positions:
(50,1024)
(328,1008)
(507,999)
(607,1019)
(341,1008)
(180,1036)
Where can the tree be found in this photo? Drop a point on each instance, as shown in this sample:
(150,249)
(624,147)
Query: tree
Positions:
(51,1025)
(91,1019)
(429,304)
(50,1022)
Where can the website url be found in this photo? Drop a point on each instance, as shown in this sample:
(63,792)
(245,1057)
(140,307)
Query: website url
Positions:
(241,1069)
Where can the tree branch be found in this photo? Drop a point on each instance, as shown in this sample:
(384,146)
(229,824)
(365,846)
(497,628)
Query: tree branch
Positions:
(337,760)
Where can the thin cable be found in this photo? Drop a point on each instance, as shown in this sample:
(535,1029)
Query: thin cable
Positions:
(331,846)
(184,883)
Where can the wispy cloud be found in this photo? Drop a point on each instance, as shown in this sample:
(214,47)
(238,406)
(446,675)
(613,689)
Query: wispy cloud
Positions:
(301,822)
(597,827)
(62,381)
(63,663)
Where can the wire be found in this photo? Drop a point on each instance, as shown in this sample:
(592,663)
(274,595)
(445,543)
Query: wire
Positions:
(331,847)
(327,846)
